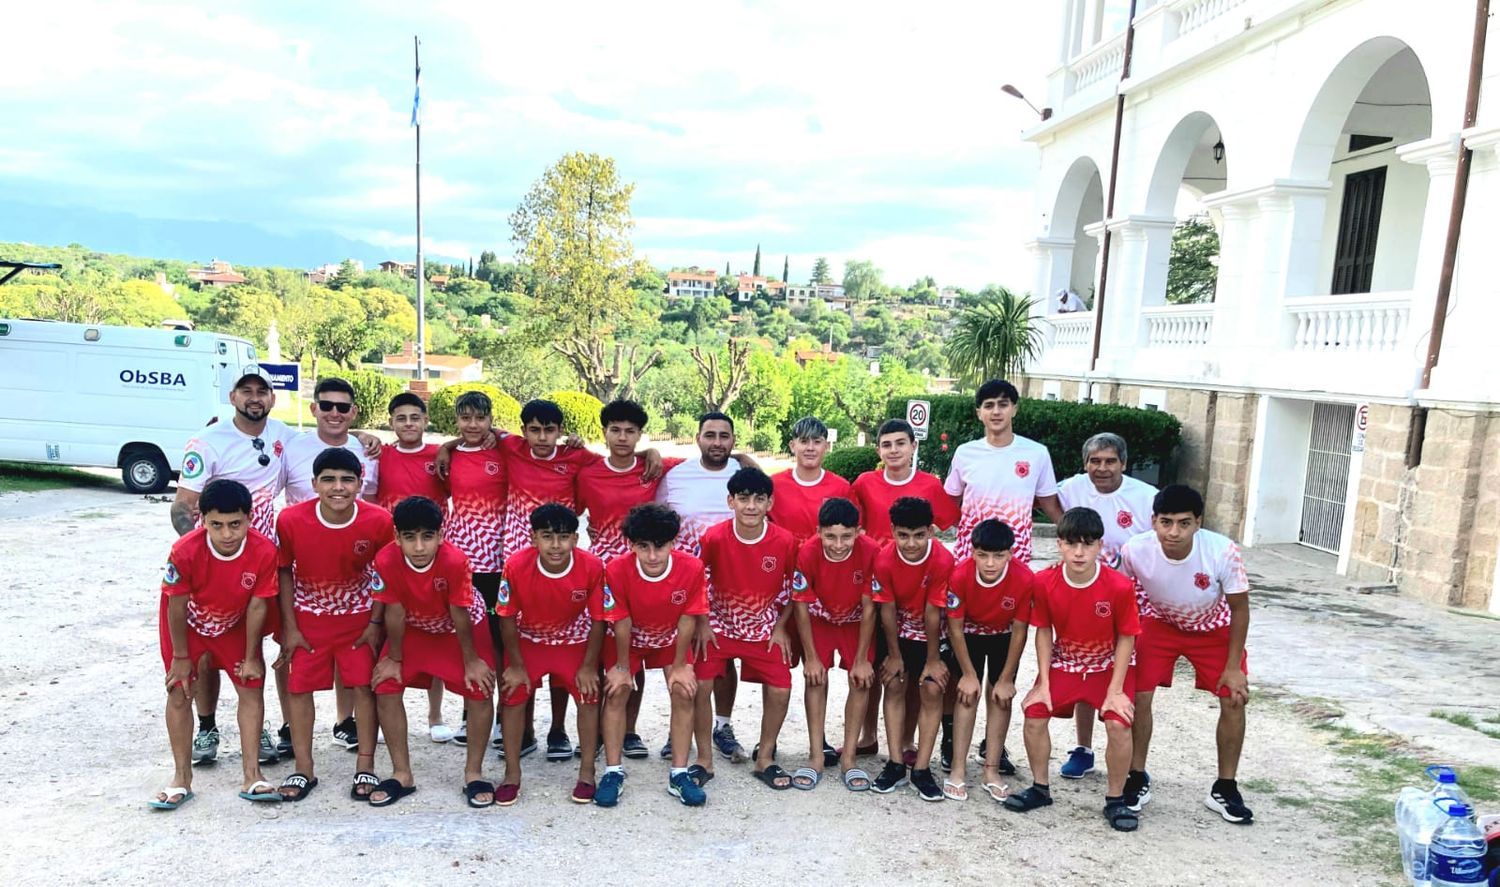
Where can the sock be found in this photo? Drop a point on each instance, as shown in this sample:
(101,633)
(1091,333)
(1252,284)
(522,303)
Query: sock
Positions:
(1043,788)
(1222,785)
(1114,799)
(206,723)
(617,768)
(720,721)
(678,771)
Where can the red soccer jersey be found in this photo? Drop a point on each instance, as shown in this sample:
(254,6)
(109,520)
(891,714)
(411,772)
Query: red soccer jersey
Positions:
(552,609)
(331,564)
(749,583)
(535,482)
(219,588)
(476,479)
(655,605)
(912,587)
(427,594)
(607,494)
(406,473)
(834,591)
(874,495)
(1086,621)
(990,609)
(795,506)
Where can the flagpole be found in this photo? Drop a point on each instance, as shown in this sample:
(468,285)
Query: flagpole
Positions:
(416,120)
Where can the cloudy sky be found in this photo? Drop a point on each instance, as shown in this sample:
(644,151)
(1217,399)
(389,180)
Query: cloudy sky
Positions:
(868,130)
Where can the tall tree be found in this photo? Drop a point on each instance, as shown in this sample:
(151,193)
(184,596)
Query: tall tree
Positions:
(723,373)
(726,267)
(820,272)
(348,275)
(756,272)
(994,338)
(1193,272)
(786,270)
(861,280)
(573,229)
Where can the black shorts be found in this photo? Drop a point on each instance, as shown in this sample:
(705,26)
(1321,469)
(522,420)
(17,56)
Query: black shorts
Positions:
(914,655)
(986,651)
(488,586)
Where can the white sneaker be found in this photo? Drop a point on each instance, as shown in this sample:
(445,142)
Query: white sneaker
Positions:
(441,733)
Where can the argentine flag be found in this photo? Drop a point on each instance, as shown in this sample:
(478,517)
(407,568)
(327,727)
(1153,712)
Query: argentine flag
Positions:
(416,101)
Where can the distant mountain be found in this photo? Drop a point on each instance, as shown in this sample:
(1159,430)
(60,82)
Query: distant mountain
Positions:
(195,241)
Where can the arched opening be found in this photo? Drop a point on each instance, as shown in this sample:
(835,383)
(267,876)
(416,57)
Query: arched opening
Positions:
(1193,165)
(1079,205)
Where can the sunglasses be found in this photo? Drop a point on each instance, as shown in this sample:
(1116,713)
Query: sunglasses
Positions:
(329,406)
(260,447)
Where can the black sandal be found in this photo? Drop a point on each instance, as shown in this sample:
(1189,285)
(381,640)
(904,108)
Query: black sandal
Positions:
(700,775)
(301,783)
(1121,818)
(480,787)
(771,774)
(394,791)
(362,778)
(1030,799)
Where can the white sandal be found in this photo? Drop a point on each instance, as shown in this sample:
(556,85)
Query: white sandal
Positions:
(955,791)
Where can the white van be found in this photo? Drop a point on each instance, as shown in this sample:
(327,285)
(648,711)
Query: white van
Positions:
(112,396)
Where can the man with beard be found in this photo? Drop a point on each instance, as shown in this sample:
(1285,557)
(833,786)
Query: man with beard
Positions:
(248,449)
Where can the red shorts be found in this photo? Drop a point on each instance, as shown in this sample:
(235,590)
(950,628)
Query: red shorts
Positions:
(1160,645)
(560,661)
(757,664)
(225,651)
(642,658)
(271,628)
(1070,688)
(425,656)
(332,640)
(829,638)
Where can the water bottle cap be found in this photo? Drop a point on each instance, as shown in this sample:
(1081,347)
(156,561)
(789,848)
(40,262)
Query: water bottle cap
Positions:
(1444,775)
(1459,810)
(1452,807)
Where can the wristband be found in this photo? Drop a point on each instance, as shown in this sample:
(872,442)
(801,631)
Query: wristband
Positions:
(377,621)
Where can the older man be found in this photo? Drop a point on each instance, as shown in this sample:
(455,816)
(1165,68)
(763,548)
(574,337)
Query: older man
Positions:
(1124,503)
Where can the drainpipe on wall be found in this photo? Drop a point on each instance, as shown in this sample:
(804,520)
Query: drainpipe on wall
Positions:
(1109,206)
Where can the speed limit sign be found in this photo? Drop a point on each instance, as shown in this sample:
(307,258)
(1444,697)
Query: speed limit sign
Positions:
(919,416)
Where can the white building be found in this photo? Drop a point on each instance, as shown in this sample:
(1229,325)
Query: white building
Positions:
(1322,139)
(692,283)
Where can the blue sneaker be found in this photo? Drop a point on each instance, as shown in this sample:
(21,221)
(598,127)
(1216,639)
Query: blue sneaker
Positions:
(683,788)
(610,788)
(728,746)
(1079,764)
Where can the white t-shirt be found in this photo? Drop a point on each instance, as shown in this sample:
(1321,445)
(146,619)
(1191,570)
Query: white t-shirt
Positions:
(303,451)
(1188,594)
(699,496)
(1126,511)
(1001,483)
(223,452)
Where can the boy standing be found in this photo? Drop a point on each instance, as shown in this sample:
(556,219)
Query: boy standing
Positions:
(877,490)
(1087,622)
(989,603)
(750,563)
(1196,602)
(216,590)
(802,489)
(435,631)
(654,597)
(913,574)
(833,594)
(327,616)
(551,612)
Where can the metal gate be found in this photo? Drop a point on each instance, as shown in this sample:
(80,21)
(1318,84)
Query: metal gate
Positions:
(1328,453)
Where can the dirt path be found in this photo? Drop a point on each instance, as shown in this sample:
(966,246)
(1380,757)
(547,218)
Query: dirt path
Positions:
(82,744)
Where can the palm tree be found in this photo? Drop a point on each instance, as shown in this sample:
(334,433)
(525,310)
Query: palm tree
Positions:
(994,338)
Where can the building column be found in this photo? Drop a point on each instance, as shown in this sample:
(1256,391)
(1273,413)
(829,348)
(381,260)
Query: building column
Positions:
(1140,252)
(1054,266)
(1230,293)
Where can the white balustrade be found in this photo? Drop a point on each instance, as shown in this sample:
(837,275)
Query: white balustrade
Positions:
(1071,331)
(1364,323)
(1099,63)
(1178,326)
(1194,14)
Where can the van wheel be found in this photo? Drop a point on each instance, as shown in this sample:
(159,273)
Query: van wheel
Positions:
(145,471)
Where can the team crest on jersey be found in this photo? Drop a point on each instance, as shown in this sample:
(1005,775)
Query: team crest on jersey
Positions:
(361,546)
(679,597)
(1102,609)
(579,595)
(952,600)
(169,575)
(560,469)
(377,582)
(1202,581)
(1007,603)
(1023,469)
(799,581)
(768,563)
(1124,519)
(440,585)
(874,585)
(247,581)
(430,468)
(492,468)
(192,465)
(503,595)
(276,448)
(609,597)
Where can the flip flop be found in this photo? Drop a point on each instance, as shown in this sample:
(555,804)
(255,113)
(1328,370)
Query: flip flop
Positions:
(301,783)
(364,777)
(262,792)
(999,791)
(169,804)
(955,791)
(857,780)
(771,775)
(806,778)
(700,775)
(394,791)
(505,795)
(480,787)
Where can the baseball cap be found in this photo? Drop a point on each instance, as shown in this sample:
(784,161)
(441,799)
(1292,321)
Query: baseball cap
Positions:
(253,370)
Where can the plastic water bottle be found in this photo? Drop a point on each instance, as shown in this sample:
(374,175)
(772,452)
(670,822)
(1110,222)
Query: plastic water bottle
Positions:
(1421,816)
(1456,857)
(1406,812)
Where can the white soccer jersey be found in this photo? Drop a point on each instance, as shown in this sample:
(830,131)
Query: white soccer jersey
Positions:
(303,450)
(699,496)
(1189,594)
(1001,483)
(223,452)
(1126,511)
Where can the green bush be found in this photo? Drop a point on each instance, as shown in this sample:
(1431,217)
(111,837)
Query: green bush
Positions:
(507,413)
(681,427)
(1060,426)
(765,440)
(372,394)
(851,462)
(580,414)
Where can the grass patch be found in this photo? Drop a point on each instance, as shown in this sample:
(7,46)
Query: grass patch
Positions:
(1457,718)
(1259,786)
(24,477)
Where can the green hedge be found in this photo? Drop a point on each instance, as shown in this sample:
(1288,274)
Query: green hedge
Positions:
(507,412)
(372,394)
(1061,426)
(580,414)
(851,462)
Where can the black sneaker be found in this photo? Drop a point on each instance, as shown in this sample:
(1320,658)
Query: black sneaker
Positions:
(559,747)
(346,734)
(1224,799)
(926,785)
(1007,766)
(945,752)
(891,777)
(635,747)
(284,741)
(1137,789)
(528,746)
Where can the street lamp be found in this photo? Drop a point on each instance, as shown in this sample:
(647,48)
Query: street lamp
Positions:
(1044,113)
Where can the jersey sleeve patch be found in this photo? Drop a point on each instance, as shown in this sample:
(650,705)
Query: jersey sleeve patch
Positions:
(170,575)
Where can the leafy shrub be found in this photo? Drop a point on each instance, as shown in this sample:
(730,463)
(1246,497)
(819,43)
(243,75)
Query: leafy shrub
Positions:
(765,440)
(1061,426)
(372,394)
(681,426)
(580,413)
(507,413)
(851,462)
